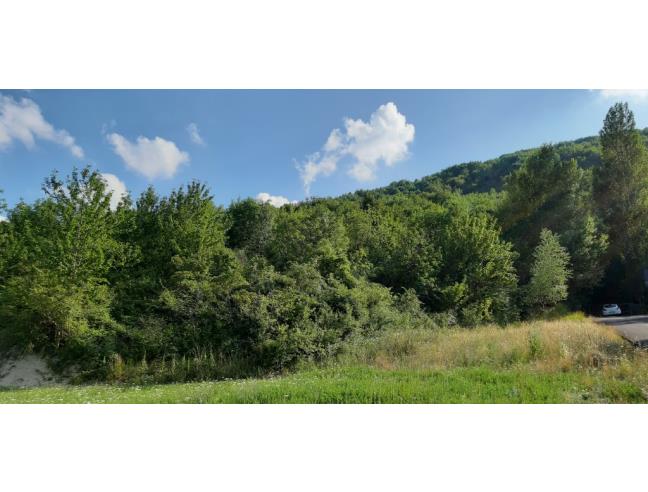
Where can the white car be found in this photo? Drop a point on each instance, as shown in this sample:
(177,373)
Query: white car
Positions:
(611,310)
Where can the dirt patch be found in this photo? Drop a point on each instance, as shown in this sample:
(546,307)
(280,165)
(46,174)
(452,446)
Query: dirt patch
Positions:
(26,371)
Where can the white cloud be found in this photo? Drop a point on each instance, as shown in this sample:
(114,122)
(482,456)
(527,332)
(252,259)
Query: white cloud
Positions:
(194,134)
(108,126)
(23,120)
(116,187)
(3,218)
(334,141)
(635,94)
(384,138)
(153,158)
(362,171)
(275,201)
(318,163)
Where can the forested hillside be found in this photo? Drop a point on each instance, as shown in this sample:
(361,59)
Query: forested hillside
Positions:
(179,288)
(483,176)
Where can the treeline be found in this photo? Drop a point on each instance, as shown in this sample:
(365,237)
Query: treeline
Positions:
(181,288)
(483,176)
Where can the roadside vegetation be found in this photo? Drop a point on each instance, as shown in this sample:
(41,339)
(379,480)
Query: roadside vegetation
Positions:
(560,361)
(393,284)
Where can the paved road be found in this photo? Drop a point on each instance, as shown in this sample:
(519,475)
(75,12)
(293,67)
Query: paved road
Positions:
(632,328)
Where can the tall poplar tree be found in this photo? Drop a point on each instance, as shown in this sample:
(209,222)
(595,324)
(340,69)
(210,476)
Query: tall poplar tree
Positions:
(621,183)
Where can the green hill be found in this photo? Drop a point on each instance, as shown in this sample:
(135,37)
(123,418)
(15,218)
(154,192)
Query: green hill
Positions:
(482,176)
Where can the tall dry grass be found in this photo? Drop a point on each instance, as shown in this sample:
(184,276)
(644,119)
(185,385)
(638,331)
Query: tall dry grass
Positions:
(559,345)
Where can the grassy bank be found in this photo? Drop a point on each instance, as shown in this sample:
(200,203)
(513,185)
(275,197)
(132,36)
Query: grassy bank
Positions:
(543,362)
(358,385)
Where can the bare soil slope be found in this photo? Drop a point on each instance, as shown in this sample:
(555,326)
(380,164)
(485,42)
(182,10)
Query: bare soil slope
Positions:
(25,371)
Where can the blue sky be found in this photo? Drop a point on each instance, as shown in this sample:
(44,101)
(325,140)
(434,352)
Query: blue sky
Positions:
(281,143)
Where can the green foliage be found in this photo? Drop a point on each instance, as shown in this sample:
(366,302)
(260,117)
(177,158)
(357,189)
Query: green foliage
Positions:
(621,193)
(304,315)
(476,277)
(173,293)
(3,206)
(547,192)
(4,237)
(59,253)
(251,225)
(253,286)
(177,288)
(299,235)
(482,177)
(540,362)
(621,183)
(549,273)
(446,248)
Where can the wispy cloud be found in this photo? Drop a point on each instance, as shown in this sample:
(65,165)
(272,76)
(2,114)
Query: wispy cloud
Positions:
(153,158)
(194,134)
(23,120)
(275,201)
(319,163)
(106,127)
(115,186)
(634,94)
(385,138)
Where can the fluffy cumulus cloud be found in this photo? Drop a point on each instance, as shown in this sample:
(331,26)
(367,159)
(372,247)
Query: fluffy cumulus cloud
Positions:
(22,120)
(116,187)
(194,134)
(153,158)
(385,138)
(635,94)
(275,201)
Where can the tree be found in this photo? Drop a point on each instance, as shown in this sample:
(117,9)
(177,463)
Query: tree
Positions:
(304,234)
(183,273)
(4,237)
(61,250)
(548,192)
(476,276)
(250,226)
(621,183)
(549,273)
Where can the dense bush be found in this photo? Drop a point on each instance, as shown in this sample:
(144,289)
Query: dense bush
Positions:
(179,287)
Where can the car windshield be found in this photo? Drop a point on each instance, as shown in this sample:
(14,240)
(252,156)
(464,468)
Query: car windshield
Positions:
(609,306)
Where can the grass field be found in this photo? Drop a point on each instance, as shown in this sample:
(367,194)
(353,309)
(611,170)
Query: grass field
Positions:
(565,361)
